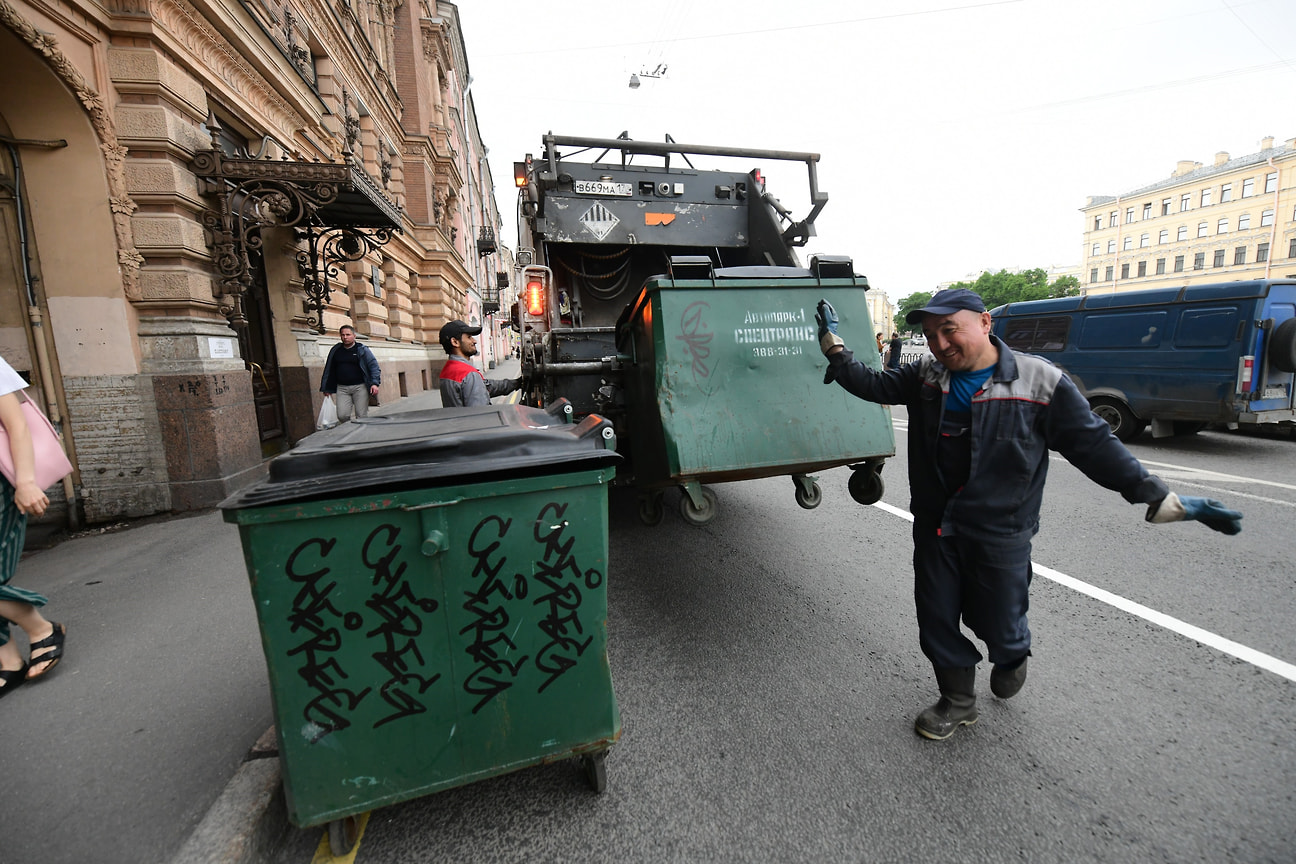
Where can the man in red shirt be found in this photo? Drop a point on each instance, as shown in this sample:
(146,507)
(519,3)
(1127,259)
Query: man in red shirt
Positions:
(462,383)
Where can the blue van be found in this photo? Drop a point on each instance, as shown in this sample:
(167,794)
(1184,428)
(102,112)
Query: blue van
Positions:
(1175,358)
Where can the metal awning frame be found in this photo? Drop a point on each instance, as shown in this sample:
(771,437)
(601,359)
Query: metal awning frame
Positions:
(337,208)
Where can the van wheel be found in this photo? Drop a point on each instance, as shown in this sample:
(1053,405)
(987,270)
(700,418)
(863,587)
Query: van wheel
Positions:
(1282,346)
(1124,425)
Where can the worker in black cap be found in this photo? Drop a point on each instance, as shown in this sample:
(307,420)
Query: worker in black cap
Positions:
(982,420)
(462,383)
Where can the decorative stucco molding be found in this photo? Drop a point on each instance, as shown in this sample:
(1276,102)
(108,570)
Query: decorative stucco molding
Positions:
(119,200)
(214,54)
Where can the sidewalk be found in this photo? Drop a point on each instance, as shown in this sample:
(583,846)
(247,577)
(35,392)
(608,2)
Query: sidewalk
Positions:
(136,748)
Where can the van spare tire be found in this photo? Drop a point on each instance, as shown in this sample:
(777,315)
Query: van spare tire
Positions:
(1282,346)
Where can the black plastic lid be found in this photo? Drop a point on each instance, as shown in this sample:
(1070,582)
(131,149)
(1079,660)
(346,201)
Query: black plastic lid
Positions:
(424,449)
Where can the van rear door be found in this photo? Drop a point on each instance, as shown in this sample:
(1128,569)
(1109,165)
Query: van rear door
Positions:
(1273,357)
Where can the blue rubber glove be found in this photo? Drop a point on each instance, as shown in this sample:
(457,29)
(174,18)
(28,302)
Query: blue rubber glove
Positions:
(1211,513)
(826,316)
(1189,508)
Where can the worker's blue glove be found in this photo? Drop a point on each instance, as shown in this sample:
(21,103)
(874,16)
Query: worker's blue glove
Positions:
(826,316)
(1189,508)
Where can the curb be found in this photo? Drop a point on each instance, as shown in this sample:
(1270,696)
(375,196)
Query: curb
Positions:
(247,823)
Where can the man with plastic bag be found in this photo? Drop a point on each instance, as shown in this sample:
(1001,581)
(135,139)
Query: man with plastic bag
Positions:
(352,372)
(982,420)
(462,384)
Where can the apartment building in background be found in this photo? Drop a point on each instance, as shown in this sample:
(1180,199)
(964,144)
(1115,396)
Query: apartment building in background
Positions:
(1232,220)
(196,194)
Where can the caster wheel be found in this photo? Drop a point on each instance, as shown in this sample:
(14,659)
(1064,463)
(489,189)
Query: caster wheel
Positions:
(343,834)
(866,486)
(698,515)
(651,510)
(809,499)
(595,768)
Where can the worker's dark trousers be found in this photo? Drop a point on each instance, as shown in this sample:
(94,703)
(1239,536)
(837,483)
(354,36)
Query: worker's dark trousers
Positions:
(987,585)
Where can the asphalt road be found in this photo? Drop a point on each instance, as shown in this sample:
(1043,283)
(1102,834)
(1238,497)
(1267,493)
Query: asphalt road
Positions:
(768,671)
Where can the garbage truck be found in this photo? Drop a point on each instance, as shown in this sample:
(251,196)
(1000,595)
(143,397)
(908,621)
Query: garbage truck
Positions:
(669,299)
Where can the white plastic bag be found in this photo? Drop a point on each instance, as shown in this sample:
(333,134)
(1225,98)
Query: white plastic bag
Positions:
(328,417)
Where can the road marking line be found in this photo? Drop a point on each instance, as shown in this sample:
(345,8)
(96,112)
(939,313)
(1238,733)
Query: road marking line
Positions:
(1199,472)
(1183,628)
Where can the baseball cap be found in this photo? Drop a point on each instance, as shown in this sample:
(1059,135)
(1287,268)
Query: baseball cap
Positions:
(948,302)
(455,329)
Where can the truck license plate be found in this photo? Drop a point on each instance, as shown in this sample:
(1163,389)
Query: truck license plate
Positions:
(601,187)
(1274,393)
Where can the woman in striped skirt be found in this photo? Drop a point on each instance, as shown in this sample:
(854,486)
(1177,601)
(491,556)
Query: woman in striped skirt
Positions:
(17,500)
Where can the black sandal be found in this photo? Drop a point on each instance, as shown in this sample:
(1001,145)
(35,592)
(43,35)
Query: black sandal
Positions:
(12,679)
(49,659)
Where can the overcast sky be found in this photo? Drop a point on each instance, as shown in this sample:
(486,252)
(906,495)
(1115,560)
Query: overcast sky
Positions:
(954,136)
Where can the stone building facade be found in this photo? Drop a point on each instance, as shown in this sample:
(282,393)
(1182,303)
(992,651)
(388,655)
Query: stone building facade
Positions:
(1234,219)
(196,194)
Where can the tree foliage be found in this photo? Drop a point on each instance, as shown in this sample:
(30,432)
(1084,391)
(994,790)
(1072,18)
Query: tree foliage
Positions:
(996,289)
(910,303)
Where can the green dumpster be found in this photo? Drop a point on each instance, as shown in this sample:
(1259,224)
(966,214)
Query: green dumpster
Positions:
(431,593)
(725,383)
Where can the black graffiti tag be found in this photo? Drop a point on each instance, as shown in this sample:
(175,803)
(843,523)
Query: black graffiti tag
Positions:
(314,612)
(558,572)
(398,611)
(490,646)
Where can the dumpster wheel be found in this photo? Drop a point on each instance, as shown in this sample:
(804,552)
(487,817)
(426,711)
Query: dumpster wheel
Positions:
(695,514)
(651,510)
(595,768)
(865,485)
(808,494)
(343,834)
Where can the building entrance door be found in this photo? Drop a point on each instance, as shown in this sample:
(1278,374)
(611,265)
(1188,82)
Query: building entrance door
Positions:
(256,343)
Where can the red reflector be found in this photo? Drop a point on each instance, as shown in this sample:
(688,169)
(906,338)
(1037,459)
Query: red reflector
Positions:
(535,298)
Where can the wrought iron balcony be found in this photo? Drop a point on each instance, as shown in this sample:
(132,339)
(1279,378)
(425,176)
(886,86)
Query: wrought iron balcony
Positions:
(485,241)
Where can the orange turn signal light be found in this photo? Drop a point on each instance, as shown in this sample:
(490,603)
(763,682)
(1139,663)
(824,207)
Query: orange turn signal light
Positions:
(535,298)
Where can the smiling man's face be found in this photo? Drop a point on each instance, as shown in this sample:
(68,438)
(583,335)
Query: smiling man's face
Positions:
(961,340)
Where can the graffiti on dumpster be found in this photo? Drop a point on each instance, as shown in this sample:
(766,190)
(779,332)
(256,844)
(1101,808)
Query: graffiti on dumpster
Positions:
(490,646)
(495,605)
(399,627)
(542,588)
(397,612)
(558,571)
(314,612)
(696,336)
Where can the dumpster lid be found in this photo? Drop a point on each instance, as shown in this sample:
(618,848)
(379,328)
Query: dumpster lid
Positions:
(436,447)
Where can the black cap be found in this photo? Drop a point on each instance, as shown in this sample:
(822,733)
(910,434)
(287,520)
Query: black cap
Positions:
(453,330)
(948,302)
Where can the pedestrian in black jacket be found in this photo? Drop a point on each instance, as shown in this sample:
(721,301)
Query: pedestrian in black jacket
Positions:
(352,372)
(982,420)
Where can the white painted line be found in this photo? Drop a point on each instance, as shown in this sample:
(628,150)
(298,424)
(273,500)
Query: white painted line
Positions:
(1202,473)
(1183,628)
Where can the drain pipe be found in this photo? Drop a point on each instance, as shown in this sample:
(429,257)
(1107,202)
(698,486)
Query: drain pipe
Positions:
(49,397)
(1273,229)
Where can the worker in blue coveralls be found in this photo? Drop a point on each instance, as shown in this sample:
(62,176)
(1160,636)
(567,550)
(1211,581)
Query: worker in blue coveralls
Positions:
(982,420)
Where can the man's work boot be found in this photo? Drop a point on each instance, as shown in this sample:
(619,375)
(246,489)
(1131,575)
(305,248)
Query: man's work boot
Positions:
(957,705)
(1006,680)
